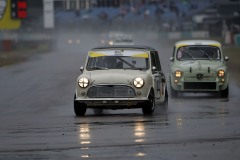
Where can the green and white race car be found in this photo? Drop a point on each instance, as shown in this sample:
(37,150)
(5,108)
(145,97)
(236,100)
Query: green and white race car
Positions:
(198,66)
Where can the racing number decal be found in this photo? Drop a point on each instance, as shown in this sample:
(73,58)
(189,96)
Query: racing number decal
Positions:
(118,53)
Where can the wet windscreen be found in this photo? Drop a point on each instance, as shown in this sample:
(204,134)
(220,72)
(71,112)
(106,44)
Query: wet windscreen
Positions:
(198,52)
(117,62)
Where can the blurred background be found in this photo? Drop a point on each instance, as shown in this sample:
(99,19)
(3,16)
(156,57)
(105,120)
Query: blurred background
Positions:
(44,25)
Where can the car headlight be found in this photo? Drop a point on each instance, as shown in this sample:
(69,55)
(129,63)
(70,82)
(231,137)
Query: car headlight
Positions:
(138,82)
(178,74)
(78,41)
(221,73)
(70,41)
(83,82)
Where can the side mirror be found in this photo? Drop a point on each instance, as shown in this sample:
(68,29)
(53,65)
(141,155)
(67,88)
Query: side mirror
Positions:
(171,59)
(226,58)
(81,69)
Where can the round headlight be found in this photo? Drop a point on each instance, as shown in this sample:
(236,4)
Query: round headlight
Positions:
(221,73)
(178,74)
(70,41)
(138,82)
(83,82)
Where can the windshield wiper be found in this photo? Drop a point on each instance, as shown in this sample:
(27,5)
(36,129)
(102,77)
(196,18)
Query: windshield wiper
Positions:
(190,55)
(206,54)
(97,68)
(134,68)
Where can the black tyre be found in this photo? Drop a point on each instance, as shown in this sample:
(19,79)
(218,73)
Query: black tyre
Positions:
(149,106)
(165,103)
(79,108)
(224,93)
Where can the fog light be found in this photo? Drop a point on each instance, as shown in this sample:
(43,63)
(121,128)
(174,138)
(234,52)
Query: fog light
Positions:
(83,93)
(176,81)
(223,80)
(139,93)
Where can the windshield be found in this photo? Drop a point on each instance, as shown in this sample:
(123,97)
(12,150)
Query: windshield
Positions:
(117,62)
(198,53)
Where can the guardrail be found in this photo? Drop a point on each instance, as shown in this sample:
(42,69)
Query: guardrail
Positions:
(25,36)
(15,40)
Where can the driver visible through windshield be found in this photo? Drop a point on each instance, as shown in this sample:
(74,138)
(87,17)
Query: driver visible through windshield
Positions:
(118,61)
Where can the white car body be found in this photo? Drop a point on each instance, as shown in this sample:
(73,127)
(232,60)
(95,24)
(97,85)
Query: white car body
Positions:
(137,83)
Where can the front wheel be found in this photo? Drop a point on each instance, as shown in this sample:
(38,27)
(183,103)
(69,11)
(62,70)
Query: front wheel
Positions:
(224,93)
(79,108)
(149,106)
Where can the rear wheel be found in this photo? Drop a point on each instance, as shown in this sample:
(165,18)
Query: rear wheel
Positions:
(79,108)
(149,106)
(164,105)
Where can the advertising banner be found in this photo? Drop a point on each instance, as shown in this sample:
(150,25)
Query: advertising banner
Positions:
(6,21)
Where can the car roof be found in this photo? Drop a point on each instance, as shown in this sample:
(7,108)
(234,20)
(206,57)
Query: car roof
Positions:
(197,42)
(137,47)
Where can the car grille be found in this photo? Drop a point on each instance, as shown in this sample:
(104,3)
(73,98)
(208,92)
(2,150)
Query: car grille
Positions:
(200,85)
(111,91)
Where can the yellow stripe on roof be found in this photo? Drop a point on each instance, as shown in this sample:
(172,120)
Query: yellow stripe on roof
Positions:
(181,45)
(142,55)
(215,45)
(94,54)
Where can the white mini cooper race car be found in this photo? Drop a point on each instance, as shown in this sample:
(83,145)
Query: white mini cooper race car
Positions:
(119,77)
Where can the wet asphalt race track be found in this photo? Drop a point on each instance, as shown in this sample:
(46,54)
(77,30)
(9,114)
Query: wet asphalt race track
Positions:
(37,119)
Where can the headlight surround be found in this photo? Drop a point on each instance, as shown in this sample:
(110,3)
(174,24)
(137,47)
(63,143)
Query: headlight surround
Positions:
(178,74)
(138,82)
(83,82)
(221,73)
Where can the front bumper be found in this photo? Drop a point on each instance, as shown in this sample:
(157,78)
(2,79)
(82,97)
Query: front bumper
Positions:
(113,103)
(191,84)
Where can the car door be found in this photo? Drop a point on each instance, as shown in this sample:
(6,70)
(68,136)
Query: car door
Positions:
(156,73)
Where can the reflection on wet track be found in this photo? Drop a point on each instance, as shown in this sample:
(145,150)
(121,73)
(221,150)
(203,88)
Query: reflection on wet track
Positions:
(185,123)
(84,134)
(139,132)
